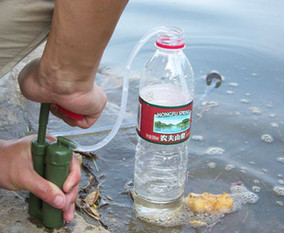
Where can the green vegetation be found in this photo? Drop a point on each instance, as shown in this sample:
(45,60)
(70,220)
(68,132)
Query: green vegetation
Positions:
(182,125)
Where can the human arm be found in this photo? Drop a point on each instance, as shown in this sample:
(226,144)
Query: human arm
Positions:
(17,173)
(65,73)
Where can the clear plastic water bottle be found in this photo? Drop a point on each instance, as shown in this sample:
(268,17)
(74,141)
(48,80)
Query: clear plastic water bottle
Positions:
(164,120)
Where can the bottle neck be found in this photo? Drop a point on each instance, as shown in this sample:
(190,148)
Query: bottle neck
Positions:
(171,39)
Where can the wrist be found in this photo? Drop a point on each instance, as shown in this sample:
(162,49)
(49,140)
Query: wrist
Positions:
(63,79)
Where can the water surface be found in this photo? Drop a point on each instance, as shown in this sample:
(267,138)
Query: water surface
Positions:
(242,120)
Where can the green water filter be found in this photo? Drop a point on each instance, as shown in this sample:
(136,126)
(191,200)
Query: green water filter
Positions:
(38,153)
(58,157)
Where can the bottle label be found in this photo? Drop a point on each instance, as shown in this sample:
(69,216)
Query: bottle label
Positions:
(164,125)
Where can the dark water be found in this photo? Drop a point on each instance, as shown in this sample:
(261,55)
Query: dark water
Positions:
(242,120)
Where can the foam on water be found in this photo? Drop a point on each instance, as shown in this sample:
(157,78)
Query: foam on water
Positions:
(255,110)
(197,137)
(245,101)
(209,104)
(211,165)
(229,92)
(233,84)
(229,167)
(267,138)
(256,189)
(274,125)
(242,196)
(215,151)
(279,190)
(281,181)
(280,159)
(279,203)
(184,216)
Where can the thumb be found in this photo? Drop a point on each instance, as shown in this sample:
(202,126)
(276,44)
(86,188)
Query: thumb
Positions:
(46,191)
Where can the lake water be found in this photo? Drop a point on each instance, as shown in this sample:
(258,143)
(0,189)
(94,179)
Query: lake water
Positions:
(237,130)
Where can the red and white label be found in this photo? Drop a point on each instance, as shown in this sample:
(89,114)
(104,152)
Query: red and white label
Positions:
(164,125)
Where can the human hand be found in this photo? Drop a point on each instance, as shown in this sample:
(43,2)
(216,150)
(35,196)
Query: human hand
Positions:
(85,98)
(17,173)
(66,71)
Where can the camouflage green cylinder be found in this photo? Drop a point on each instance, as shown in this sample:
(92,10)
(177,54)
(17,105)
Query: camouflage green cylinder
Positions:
(57,162)
(38,154)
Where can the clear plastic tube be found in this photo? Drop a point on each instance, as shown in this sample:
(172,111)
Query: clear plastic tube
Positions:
(124,96)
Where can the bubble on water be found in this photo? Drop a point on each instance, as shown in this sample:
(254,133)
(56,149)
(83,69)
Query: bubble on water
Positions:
(281,181)
(249,197)
(233,84)
(279,203)
(254,74)
(244,101)
(229,92)
(280,159)
(267,138)
(247,94)
(255,110)
(184,216)
(238,188)
(181,216)
(197,137)
(242,195)
(215,151)
(280,175)
(272,115)
(264,170)
(211,165)
(256,189)
(279,190)
(274,125)
(229,167)
(256,181)
(252,163)
(209,104)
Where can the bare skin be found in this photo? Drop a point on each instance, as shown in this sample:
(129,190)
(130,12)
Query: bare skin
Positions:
(17,173)
(64,75)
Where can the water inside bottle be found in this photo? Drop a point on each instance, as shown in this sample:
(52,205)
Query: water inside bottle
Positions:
(160,170)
